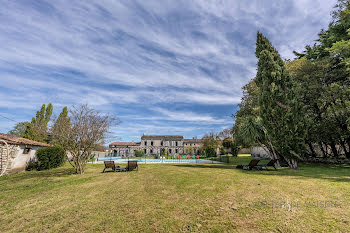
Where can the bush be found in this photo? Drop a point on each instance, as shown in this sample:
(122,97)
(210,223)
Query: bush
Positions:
(222,150)
(32,164)
(50,157)
(93,157)
(234,149)
(139,153)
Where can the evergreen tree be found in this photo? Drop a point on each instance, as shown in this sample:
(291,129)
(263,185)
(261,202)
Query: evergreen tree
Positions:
(19,129)
(280,110)
(329,107)
(60,127)
(37,130)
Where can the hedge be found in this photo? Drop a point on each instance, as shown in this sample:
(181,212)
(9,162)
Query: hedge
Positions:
(50,157)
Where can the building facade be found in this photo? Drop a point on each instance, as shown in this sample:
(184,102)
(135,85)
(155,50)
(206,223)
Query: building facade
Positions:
(193,146)
(156,145)
(16,152)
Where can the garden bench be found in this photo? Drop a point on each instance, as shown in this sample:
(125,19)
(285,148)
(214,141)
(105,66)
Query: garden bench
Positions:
(132,165)
(109,164)
(252,164)
(271,163)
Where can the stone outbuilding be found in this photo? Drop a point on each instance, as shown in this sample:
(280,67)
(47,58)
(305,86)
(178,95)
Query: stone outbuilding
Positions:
(20,152)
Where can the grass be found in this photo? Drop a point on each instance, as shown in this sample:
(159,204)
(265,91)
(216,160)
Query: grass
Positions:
(176,198)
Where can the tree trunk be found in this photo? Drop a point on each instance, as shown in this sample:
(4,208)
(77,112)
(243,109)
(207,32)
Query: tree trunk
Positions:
(334,149)
(323,151)
(313,153)
(292,163)
(274,155)
(346,151)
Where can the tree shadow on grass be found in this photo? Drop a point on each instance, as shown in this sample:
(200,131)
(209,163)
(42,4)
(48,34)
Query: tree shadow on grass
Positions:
(219,166)
(333,173)
(56,172)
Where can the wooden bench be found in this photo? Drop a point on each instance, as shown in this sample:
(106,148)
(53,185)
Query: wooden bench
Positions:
(271,163)
(109,164)
(132,165)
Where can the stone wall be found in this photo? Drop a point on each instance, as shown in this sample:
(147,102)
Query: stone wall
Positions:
(8,162)
(18,158)
(259,152)
(327,160)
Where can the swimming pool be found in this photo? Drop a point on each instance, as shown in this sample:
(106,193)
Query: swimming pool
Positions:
(119,160)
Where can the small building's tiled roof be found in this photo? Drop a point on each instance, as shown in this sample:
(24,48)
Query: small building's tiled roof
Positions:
(10,139)
(125,144)
(162,137)
(193,140)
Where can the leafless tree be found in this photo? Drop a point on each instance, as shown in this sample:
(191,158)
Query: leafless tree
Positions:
(225,133)
(80,132)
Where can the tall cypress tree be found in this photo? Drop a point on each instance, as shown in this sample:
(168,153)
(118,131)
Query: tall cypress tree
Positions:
(279,108)
(60,127)
(37,129)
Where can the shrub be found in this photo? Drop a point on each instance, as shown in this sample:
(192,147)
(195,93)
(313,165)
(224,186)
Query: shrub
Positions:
(93,157)
(139,153)
(32,164)
(50,157)
(234,149)
(222,150)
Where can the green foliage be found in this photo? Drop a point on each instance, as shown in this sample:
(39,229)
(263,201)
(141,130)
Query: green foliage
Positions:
(32,164)
(50,157)
(341,49)
(93,157)
(322,73)
(188,149)
(210,144)
(139,153)
(19,129)
(162,152)
(234,149)
(248,108)
(61,127)
(37,129)
(280,109)
(227,143)
(251,131)
(222,150)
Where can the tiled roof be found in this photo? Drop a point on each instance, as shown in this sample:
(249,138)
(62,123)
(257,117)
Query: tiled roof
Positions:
(125,144)
(10,139)
(192,140)
(162,136)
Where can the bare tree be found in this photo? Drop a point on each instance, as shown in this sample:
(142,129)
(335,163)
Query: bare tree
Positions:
(79,133)
(225,133)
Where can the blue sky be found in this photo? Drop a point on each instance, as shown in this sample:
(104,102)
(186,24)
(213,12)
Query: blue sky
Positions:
(162,67)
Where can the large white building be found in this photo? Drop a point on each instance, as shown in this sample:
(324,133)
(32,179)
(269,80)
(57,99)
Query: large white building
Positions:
(156,145)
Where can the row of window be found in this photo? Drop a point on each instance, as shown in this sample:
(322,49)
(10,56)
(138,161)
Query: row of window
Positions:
(161,143)
(145,150)
(190,144)
(170,151)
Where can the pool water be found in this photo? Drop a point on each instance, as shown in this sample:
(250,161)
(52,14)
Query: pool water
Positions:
(118,159)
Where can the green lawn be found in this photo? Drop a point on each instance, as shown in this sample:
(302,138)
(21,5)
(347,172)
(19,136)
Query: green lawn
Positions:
(176,198)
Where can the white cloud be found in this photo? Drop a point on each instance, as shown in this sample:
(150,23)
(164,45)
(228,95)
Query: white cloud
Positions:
(109,53)
(187,116)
